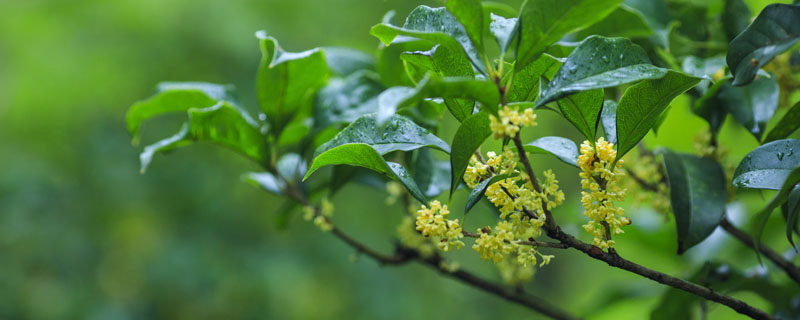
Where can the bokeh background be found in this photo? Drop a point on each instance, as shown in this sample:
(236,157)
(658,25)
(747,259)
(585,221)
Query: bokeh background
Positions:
(84,235)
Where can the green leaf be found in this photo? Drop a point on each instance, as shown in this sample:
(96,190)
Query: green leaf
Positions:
(362,155)
(431,175)
(399,133)
(525,85)
(477,193)
(582,110)
(504,30)
(388,64)
(443,62)
(791,210)
(697,195)
(608,117)
(751,105)
(265,180)
(642,104)
(223,124)
(767,166)
(735,17)
(600,62)
(656,15)
(287,81)
(543,22)
(291,167)
(710,107)
(774,31)
(703,68)
(622,22)
(564,149)
(787,184)
(344,100)
(396,98)
(436,25)
(470,14)
(173,97)
(344,61)
(788,124)
(469,136)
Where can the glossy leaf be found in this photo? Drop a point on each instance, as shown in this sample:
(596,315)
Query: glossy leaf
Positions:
(344,61)
(774,31)
(223,124)
(787,185)
(469,136)
(525,85)
(344,100)
(291,167)
(703,68)
(477,193)
(543,22)
(266,181)
(564,149)
(399,133)
(697,195)
(751,105)
(642,104)
(504,30)
(470,14)
(173,97)
(444,62)
(582,110)
(600,62)
(735,17)
(287,81)
(608,117)
(433,24)
(622,22)
(791,210)
(656,15)
(396,98)
(767,166)
(788,124)
(362,155)
(431,175)
(710,107)
(388,64)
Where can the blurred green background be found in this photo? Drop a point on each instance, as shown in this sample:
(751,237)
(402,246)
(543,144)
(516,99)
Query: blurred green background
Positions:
(84,235)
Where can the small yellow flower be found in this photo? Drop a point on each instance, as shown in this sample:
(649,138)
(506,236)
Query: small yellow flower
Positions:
(433,222)
(510,121)
(601,184)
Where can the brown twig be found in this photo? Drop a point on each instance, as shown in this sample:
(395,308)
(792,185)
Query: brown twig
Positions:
(775,257)
(404,255)
(533,243)
(613,259)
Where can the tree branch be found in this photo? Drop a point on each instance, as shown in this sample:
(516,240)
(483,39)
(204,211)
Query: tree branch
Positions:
(404,255)
(529,242)
(791,270)
(775,257)
(614,260)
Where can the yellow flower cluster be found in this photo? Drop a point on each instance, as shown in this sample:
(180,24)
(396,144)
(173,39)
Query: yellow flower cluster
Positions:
(495,246)
(477,171)
(646,168)
(410,238)
(395,191)
(510,121)
(601,183)
(513,196)
(433,222)
(321,220)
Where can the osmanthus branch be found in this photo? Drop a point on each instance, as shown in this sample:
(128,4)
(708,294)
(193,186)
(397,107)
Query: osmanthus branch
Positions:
(613,259)
(529,242)
(405,255)
(791,270)
(775,257)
